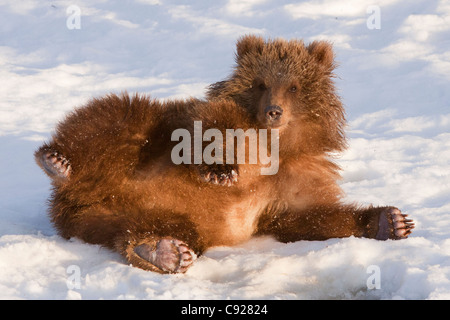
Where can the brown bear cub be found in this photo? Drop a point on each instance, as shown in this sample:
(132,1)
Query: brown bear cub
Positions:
(135,175)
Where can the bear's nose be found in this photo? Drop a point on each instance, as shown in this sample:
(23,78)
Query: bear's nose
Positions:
(273,113)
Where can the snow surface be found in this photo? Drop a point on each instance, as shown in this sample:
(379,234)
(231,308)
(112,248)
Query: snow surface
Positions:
(394,82)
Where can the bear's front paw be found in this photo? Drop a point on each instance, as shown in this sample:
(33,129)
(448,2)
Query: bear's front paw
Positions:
(393,224)
(169,255)
(224,174)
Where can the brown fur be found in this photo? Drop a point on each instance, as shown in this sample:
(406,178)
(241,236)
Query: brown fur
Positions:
(124,190)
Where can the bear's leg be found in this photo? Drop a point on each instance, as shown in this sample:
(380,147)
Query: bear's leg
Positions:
(163,255)
(54,164)
(144,244)
(159,241)
(335,221)
(149,240)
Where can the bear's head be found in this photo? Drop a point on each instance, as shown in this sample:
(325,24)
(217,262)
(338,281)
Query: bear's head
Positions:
(288,86)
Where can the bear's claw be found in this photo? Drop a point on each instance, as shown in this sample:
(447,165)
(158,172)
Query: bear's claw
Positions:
(170,255)
(223,175)
(56,165)
(394,225)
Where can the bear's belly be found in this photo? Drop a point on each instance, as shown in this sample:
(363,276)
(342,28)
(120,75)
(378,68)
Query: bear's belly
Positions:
(222,215)
(240,221)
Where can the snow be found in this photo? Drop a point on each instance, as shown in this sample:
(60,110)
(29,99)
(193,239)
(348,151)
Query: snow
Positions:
(394,82)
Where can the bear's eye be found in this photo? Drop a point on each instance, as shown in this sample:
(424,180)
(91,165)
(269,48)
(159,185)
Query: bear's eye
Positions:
(262,86)
(293,89)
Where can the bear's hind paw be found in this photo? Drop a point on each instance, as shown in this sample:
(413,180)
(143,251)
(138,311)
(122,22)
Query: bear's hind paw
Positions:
(54,164)
(169,255)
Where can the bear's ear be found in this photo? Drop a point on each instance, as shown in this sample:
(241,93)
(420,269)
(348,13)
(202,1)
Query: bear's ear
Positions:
(322,51)
(249,43)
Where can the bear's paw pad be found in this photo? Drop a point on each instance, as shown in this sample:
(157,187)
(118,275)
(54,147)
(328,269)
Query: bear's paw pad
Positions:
(56,165)
(170,255)
(393,224)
